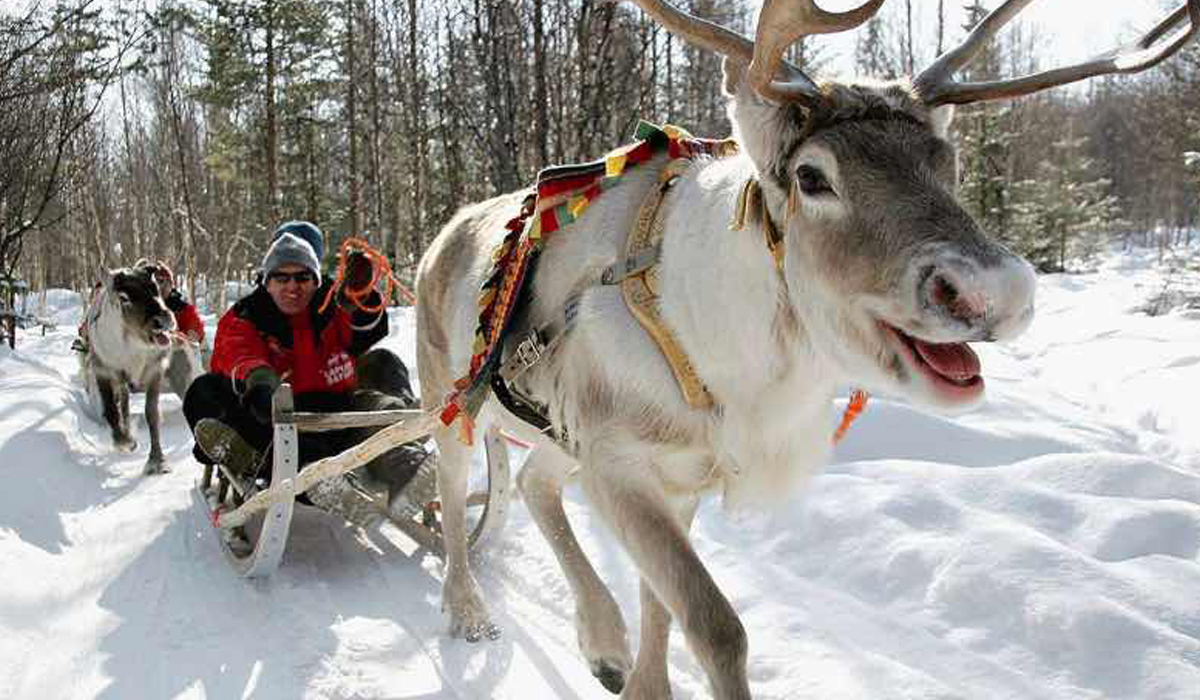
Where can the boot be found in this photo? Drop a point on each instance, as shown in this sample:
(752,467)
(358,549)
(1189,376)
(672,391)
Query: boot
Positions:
(224,445)
(409,498)
(337,495)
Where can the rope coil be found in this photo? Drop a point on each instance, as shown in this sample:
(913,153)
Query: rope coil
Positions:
(381,269)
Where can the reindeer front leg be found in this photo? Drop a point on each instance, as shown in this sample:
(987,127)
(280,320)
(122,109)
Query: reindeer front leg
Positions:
(461,597)
(115,399)
(599,625)
(155,463)
(656,540)
(649,678)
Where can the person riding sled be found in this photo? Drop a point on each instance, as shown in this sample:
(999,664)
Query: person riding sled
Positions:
(283,331)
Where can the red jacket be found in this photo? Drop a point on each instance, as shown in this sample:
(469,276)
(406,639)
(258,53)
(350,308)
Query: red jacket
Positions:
(187,320)
(189,323)
(314,351)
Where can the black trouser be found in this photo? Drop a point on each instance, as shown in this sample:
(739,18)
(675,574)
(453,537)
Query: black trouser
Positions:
(382,385)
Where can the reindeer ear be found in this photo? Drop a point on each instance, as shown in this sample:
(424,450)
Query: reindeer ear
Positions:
(113,277)
(940,119)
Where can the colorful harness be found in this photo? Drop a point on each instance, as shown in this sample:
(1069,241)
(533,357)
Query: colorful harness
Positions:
(559,198)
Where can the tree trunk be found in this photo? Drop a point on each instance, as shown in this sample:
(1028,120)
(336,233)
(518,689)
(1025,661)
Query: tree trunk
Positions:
(354,208)
(271,154)
(909,60)
(540,121)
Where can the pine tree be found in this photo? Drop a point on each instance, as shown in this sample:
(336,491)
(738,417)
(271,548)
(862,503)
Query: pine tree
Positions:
(1066,213)
(267,87)
(985,142)
(871,56)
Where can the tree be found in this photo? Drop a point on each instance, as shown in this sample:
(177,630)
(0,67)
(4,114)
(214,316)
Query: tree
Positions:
(1067,212)
(871,57)
(985,141)
(55,64)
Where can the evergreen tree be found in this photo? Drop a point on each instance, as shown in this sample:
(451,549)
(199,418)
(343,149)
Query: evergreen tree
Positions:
(1066,213)
(871,58)
(985,141)
(269,83)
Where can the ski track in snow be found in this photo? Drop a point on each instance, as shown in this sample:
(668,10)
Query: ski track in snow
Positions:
(1043,547)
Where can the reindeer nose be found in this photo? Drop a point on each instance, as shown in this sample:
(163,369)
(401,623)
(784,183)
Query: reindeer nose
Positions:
(162,322)
(993,300)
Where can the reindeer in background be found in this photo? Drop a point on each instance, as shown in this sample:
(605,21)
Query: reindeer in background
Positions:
(856,267)
(129,327)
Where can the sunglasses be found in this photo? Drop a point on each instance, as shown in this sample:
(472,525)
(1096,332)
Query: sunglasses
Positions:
(301,277)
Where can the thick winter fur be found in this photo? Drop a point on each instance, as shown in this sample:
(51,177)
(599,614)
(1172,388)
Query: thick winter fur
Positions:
(128,328)
(772,348)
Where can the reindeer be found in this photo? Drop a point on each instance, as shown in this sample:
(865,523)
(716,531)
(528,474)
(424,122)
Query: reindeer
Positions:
(129,332)
(879,279)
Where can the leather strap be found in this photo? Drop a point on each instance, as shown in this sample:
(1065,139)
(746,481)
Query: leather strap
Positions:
(640,289)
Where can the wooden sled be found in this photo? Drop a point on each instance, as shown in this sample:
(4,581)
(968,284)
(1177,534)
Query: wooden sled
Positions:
(253,522)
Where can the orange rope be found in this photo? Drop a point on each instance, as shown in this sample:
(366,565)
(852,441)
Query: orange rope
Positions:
(381,269)
(858,401)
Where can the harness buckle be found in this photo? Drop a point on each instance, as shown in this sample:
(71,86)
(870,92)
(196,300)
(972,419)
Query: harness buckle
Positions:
(529,350)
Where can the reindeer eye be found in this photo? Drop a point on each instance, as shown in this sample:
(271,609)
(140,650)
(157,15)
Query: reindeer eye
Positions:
(123,297)
(812,182)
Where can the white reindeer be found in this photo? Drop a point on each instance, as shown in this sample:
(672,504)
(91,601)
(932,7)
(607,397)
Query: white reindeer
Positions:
(883,279)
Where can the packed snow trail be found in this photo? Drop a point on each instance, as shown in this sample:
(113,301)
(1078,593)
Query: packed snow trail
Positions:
(1044,547)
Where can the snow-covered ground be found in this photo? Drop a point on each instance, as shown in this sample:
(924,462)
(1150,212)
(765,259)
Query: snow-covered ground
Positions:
(1044,546)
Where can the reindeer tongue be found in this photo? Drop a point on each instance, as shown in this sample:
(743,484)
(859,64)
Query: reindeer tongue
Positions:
(954,361)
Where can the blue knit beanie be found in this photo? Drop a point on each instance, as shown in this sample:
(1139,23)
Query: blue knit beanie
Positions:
(290,249)
(305,230)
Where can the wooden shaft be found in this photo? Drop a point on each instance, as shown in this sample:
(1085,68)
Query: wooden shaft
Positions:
(317,422)
(396,434)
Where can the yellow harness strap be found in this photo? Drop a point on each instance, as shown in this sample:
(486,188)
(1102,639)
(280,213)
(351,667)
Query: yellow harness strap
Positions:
(751,202)
(640,290)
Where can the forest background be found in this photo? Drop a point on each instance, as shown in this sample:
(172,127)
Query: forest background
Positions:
(186,130)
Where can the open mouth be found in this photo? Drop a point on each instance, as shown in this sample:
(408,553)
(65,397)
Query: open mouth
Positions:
(161,338)
(952,369)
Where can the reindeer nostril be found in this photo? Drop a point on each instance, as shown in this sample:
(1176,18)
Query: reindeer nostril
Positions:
(945,295)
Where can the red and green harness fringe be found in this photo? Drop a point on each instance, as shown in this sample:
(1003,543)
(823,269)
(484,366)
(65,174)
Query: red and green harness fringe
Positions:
(560,197)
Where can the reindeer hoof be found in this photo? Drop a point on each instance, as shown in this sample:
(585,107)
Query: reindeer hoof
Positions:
(611,677)
(476,633)
(125,444)
(156,466)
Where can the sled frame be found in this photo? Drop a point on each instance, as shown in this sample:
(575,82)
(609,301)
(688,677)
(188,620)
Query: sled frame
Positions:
(235,507)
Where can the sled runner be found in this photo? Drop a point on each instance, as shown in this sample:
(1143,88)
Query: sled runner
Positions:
(253,519)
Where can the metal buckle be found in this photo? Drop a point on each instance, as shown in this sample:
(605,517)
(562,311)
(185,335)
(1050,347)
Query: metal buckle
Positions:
(529,350)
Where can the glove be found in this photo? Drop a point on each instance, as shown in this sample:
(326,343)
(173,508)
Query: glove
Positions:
(260,389)
(174,300)
(359,271)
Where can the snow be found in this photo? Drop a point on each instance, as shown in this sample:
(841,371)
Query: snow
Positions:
(1045,546)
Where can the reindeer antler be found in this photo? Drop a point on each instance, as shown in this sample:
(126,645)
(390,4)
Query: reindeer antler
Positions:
(780,24)
(937,87)
(784,22)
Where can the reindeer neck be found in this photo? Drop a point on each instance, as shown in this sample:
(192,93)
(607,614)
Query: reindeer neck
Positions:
(725,298)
